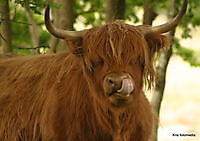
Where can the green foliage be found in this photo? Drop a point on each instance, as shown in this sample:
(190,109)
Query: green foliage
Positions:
(21,37)
(191,19)
(2,1)
(35,5)
(189,55)
(44,38)
(193,15)
(92,11)
(21,51)
(131,10)
(20,30)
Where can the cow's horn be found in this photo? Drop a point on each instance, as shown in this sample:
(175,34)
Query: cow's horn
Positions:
(59,33)
(171,24)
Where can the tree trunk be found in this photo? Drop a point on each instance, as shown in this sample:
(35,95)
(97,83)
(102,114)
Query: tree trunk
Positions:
(161,75)
(159,88)
(33,28)
(115,9)
(5,27)
(149,13)
(63,18)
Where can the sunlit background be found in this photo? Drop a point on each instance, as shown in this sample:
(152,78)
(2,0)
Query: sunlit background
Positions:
(180,109)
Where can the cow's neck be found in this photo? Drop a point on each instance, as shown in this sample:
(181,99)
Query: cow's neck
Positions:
(117,122)
(121,120)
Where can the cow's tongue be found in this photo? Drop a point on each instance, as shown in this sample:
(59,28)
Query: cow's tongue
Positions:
(127,87)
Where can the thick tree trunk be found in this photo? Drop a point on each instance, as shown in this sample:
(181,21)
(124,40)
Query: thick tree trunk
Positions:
(6,37)
(161,75)
(115,9)
(63,18)
(33,28)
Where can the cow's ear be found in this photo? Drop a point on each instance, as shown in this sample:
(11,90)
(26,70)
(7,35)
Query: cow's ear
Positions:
(75,45)
(156,42)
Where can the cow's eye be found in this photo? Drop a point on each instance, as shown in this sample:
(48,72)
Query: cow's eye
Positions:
(95,64)
(98,63)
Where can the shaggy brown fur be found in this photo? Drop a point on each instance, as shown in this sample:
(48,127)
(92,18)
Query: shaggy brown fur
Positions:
(60,97)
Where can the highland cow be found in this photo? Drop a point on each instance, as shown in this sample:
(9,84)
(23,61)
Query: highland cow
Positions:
(93,93)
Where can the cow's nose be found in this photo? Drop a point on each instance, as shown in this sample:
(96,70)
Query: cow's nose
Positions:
(120,83)
(114,81)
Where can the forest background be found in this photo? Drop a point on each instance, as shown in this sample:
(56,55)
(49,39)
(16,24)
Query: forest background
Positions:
(22,31)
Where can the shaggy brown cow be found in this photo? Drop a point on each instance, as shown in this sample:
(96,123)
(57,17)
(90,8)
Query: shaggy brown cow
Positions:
(93,93)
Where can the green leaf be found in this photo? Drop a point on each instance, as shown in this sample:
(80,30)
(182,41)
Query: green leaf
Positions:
(188,55)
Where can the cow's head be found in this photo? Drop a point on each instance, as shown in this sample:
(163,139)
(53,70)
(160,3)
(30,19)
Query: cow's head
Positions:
(117,57)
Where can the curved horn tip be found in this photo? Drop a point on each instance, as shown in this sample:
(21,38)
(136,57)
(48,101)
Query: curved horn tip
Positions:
(47,16)
(185,4)
(59,33)
(49,25)
(171,24)
(47,9)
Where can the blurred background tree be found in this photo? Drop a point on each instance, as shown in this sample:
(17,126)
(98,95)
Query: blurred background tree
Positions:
(23,31)
(6,35)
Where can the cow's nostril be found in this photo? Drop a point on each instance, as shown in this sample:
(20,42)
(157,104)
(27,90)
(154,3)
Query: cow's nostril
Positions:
(110,80)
